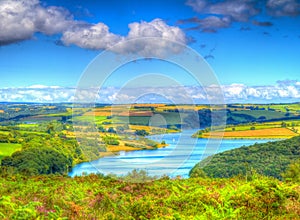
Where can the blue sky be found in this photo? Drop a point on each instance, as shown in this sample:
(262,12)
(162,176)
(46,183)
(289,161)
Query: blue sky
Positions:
(252,46)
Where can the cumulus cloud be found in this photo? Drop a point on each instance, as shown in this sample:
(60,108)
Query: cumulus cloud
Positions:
(37,93)
(213,22)
(284,91)
(220,14)
(239,11)
(90,36)
(20,19)
(281,92)
(283,7)
(139,39)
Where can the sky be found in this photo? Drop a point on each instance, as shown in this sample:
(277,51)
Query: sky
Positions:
(252,48)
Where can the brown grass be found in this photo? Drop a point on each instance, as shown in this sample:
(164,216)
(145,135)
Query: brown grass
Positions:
(98,113)
(148,105)
(136,113)
(262,133)
(113,148)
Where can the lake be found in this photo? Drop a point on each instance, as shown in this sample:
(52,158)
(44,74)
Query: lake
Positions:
(177,159)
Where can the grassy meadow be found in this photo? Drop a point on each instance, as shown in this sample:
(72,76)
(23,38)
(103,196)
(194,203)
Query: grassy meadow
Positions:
(7,149)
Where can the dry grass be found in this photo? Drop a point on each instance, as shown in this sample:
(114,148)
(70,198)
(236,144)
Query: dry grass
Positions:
(148,105)
(98,113)
(113,148)
(262,133)
(136,113)
(181,107)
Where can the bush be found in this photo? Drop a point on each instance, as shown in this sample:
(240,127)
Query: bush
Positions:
(111,140)
(141,132)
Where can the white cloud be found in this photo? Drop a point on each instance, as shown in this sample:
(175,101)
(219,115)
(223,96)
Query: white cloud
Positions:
(213,22)
(138,39)
(283,7)
(237,10)
(90,36)
(20,19)
(187,94)
(197,5)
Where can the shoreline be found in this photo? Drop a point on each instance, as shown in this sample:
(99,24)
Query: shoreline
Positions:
(119,149)
(249,137)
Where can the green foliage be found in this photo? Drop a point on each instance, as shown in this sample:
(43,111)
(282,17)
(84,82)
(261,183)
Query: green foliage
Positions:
(271,159)
(99,197)
(293,172)
(34,161)
(138,176)
(111,130)
(111,140)
(141,132)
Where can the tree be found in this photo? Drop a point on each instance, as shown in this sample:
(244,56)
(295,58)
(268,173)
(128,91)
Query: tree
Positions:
(111,140)
(141,132)
(101,128)
(34,161)
(283,124)
(111,130)
(293,172)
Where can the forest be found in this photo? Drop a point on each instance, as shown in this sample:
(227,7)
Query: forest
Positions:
(269,159)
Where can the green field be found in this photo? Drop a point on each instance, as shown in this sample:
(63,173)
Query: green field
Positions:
(27,125)
(259,113)
(171,118)
(258,126)
(7,149)
(87,118)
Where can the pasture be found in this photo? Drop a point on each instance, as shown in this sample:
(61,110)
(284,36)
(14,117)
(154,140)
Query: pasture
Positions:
(7,149)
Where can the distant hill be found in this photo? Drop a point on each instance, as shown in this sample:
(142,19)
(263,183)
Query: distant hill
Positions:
(271,159)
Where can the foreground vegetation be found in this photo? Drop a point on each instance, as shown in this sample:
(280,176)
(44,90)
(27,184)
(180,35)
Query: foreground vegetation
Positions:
(97,197)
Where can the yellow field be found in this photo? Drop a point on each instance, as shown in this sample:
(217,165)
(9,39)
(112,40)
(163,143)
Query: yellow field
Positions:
(148,105)
(1,111)
(113,148)
(98,113)
(262,133)
(181,107)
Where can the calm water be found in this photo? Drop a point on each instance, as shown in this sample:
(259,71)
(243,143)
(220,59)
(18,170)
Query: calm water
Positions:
(176,159)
